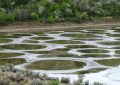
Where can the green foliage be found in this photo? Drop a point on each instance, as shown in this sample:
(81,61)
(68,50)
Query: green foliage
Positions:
(57,10)
(7,67)
(65,80)
(4,17)
(4,81)
(54,82)
(51,19)
(35,16)
(11,76)
(36,82)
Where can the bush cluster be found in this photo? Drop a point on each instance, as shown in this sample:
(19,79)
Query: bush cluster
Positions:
(57,10)
(11,76)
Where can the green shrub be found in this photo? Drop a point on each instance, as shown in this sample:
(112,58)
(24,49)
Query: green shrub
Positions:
(6,17)
(7,68)
(79,82)
(57,10)
(2,18)
(35,16)
(4,81)
(65,80)
(51,19)
(36,82)
(54,82)
(10,17)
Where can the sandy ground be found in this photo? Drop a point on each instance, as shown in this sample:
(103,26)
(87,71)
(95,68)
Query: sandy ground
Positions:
(35,27)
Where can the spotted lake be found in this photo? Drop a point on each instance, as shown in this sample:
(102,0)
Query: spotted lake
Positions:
(93,53)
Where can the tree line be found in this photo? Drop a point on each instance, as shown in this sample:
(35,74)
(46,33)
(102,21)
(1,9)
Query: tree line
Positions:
(57,10)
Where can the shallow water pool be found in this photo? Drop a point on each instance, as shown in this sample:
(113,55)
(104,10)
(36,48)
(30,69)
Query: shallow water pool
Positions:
(66,53)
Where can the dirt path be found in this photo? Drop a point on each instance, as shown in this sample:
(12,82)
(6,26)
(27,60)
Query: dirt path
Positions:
(34,28)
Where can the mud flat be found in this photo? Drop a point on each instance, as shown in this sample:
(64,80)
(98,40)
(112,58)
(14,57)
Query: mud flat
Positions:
(64,53)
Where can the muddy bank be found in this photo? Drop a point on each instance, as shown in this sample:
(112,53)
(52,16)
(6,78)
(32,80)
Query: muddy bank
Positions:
(36,26)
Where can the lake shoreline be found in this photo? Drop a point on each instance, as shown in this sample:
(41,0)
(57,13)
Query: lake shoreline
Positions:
(37,26)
